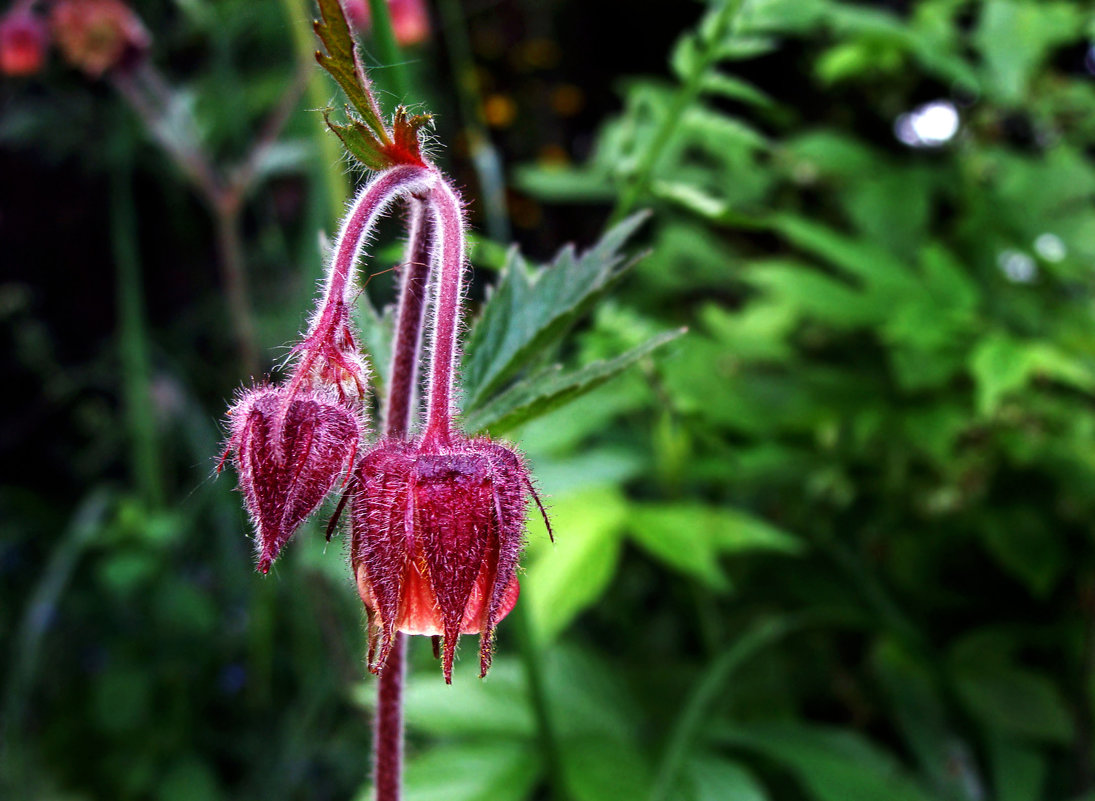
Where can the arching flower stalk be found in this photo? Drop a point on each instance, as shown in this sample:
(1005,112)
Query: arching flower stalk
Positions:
(437,518)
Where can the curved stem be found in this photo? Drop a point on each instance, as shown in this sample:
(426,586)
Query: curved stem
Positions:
(448,249)
(369,205)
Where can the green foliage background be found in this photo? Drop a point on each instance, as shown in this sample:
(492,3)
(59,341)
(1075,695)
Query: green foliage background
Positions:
(834,543)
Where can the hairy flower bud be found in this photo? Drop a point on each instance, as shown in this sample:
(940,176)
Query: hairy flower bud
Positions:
(23,41)
(437,532)
(289,450)
(97,36)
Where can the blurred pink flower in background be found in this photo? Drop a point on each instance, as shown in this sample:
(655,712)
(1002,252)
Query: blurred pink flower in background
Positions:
(410,20)
(98,35)
(23,43)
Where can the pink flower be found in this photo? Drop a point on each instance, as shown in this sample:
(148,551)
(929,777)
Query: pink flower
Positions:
(289,450)
(23,42)
(437,533)
(410,20)
(97,36)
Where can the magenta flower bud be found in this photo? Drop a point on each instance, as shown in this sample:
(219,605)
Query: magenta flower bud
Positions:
(437,533)
(290,448)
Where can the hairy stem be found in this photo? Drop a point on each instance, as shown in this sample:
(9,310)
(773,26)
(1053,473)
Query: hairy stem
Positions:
(448,249)
(369,205)
(388,730)
(408,327)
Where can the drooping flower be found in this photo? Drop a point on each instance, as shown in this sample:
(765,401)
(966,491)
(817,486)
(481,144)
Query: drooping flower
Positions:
(437,533)
(289,449)
(23,42)
(97,36)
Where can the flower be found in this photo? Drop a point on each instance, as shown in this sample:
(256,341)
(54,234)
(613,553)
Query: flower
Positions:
(436,535)
(97,36)
(410,20)
(290,447)
(23,41)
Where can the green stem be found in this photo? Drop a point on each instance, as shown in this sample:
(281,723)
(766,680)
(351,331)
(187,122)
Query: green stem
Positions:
(484,156)
(387,49)
(132,336)
(334,179)
(685,97)
(698,707)
(531,657)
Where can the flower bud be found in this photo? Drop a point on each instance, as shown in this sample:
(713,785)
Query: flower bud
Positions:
(23,41)
(99,35)
(290,448)
(437,533)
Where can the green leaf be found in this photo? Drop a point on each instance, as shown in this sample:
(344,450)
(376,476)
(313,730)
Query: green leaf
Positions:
(732,88)
(528,312)
(358,141)
(1018,771)
(597,768)
(916,704)
(551,388)
(710,778)
(343,62)
(1002,365)
(566,577)
(1015,701)
(496,705)
(691,537)
(1017,538)
(1015,37)
(488,771)
(830,764)
(562,184)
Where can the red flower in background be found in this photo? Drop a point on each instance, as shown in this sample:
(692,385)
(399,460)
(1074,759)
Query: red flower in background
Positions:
(23,43)
(97,36)
(410,19)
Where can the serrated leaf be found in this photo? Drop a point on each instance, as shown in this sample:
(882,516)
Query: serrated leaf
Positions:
(343,62)
(529,311)
(359,141)
(551,388)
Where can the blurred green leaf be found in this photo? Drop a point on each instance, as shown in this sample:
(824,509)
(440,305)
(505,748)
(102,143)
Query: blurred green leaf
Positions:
(830,764)
(1014,36)
(491,771)
(565,577)
(692,537)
